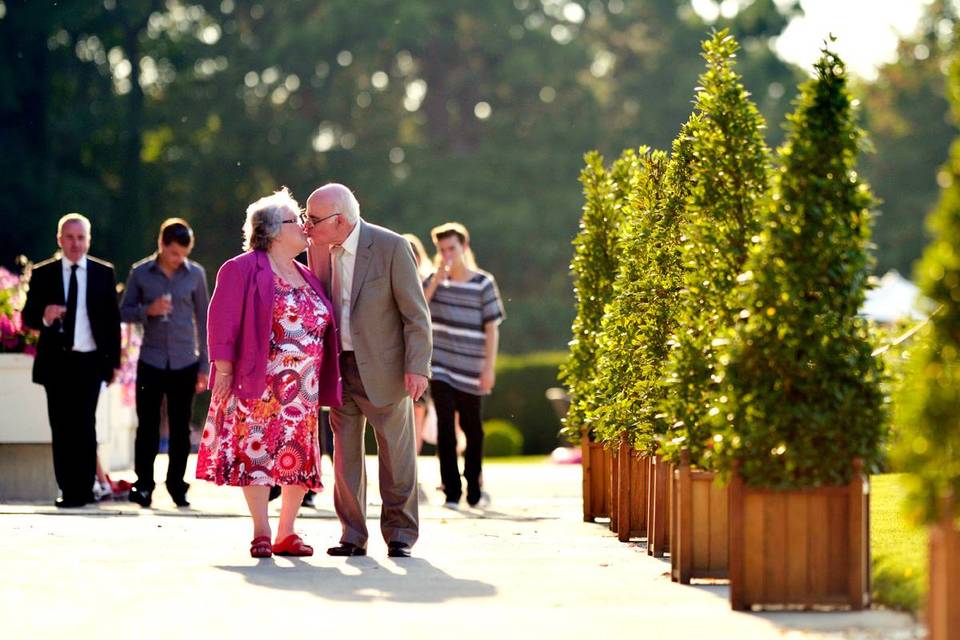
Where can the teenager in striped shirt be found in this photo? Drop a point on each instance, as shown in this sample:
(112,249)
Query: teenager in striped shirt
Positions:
(466,311)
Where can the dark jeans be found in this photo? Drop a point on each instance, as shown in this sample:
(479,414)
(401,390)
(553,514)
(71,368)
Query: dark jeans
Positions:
(449,401)
(72,409)
(179,386)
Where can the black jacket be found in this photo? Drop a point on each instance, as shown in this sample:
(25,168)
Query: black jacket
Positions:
(46,287)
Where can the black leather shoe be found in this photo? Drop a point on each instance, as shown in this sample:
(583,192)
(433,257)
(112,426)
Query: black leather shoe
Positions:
(346,549)
(179,495)
(309,500)
(142,497)
(398,550)
(68,503)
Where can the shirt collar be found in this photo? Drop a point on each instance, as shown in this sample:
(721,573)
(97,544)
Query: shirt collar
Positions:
(81,263)
(353,240)
(155,263)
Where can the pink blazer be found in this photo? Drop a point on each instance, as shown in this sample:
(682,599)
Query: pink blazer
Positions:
(239,327)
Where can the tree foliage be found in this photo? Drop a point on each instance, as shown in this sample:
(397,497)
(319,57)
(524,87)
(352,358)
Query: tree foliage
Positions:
(637,326)
(928,403)
(801,388)
(729,169)
(594,267)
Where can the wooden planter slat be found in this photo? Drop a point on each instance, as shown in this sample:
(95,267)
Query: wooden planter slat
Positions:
(631,493)
(799,547)
(613,490)
(658,507)
(943,601)
(700,526)
(595,465)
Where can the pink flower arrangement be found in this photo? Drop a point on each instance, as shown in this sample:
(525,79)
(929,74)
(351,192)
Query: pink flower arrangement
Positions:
(14,337)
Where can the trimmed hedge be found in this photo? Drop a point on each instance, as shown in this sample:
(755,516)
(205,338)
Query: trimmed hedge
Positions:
(501,439)
(520,397)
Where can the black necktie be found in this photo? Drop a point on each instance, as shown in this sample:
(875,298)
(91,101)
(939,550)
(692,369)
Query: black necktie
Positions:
(70,319)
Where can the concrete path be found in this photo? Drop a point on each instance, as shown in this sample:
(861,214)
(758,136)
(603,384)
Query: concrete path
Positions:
(525,567)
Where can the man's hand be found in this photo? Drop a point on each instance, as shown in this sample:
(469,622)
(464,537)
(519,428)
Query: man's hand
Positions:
(52,313)
(415,385)
(487,380)
(160,307)
(203,380)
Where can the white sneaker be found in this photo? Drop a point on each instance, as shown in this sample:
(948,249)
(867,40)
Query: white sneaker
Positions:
(453,506)
(102,491)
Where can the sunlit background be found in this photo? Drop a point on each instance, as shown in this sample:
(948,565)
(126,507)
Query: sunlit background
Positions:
(478,112)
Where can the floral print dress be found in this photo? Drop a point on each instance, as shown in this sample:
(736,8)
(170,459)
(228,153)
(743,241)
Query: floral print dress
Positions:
(273,440)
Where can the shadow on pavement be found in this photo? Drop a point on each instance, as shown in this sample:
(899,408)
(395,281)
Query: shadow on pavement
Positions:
(412,580)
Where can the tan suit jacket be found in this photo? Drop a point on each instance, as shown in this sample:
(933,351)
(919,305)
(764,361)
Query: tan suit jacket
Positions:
(389,316)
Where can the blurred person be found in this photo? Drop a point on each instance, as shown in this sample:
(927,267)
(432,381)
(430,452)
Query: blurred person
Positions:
(72,302)
(273,344)
(422,406)
(466,311)
(166,294)
(384,331)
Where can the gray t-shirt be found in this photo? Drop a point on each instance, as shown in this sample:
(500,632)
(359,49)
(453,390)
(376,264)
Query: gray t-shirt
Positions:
(460,311)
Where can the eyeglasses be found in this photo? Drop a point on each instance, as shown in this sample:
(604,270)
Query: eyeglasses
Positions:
(290,222)
(310,221)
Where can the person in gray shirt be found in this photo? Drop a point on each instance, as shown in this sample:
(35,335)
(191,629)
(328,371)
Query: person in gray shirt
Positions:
(167,294)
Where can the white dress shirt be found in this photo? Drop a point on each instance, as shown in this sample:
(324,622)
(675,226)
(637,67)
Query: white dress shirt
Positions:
(347,262)
(82,333)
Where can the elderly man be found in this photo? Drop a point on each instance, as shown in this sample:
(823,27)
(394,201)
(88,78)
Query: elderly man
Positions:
(167,294)
(72,302)
(385,339)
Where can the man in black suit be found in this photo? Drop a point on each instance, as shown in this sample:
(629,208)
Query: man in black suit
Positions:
(72,302)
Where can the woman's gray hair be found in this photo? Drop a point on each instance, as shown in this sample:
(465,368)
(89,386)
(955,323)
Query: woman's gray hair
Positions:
(265,219)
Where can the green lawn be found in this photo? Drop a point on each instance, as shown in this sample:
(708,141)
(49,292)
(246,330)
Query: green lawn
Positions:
(899,548)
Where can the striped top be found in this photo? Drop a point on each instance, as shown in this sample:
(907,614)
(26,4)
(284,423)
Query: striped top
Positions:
(459,312)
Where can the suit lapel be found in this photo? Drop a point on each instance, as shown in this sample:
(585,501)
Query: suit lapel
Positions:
(361,264)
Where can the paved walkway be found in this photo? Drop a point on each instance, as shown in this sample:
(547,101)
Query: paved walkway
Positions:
(526,566)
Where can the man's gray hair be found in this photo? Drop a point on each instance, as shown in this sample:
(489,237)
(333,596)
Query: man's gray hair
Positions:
(73,217)
(346,202)
(265,219)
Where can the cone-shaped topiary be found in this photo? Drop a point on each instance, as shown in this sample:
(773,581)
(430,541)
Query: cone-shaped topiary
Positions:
(594,267)
(639,321)
(928,403)
(729,170)
(802,388)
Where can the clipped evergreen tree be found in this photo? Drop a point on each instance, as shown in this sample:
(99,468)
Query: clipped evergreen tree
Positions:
(802,387)
(594,267)
(928,403)
(636,329)
(729,172)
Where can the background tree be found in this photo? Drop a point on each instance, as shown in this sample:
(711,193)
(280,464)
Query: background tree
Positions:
(801,387)
(431,111)
(728,186)
(928,404)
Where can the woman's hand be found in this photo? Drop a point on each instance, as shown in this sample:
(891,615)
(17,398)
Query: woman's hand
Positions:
(222,385)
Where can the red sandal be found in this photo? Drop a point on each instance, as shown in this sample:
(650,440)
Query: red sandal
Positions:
(292,545)
(260,547)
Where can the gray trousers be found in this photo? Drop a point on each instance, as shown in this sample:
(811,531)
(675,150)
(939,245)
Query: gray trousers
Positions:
(396,451)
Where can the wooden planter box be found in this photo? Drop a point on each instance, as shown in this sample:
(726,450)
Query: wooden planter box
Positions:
(699,525)
(658,507)
(630,505)
(596,465)
(943,601)
(805,547)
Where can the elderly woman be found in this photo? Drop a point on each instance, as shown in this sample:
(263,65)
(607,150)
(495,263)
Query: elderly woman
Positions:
(274,349)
